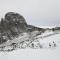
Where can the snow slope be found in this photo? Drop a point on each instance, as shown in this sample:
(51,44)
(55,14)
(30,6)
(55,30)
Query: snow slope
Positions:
(33,40)
(45,53)
(35,54)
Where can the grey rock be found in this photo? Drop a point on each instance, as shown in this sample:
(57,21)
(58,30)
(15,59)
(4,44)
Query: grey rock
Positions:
(14,30)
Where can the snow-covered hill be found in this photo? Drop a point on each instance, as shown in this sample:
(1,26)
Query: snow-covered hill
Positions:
(15,33)
(34,40)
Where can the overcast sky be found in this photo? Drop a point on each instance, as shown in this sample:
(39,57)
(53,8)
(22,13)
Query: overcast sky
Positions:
(36,12)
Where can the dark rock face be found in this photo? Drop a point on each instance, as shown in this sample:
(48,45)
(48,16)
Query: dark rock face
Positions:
(16,33)
(33,28)
(12,17)
(56,28)
(12,25)
(16,20)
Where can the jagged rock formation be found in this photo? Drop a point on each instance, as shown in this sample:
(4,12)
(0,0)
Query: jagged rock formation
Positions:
(12,26)
(16,33)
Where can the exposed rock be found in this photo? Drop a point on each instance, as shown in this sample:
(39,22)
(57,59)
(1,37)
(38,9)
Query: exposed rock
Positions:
(16,20)
(16,33)
(13,24)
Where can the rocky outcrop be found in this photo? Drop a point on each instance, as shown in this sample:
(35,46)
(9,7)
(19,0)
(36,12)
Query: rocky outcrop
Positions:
(13,24)
(14,30)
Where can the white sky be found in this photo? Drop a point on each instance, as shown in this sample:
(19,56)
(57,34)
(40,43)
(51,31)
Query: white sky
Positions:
(36,12)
